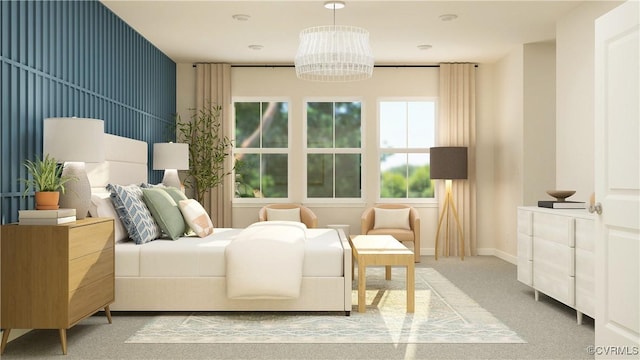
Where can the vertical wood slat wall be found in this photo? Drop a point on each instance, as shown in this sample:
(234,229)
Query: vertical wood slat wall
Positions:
(75,58)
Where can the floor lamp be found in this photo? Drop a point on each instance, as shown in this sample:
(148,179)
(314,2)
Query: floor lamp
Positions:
(449,163)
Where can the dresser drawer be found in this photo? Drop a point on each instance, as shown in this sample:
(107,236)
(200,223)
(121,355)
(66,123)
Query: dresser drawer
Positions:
(525,247)
(585,230)
(559,229)
(525,271)
(84,240)
(89,268)
(553,257)
(89,299)
(525,224)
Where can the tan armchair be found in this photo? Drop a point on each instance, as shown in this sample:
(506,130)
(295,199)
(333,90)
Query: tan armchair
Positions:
(306,215)
(403,235)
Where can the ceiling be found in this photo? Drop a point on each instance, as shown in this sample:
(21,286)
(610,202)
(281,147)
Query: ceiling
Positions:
(205,31)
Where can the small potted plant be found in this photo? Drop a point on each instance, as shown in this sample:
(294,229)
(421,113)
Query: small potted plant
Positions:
(47,181)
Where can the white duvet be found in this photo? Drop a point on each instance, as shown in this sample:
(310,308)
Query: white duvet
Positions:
(265,261)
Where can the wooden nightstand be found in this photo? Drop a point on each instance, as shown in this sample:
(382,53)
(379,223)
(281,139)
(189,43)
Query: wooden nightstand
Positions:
(53,276)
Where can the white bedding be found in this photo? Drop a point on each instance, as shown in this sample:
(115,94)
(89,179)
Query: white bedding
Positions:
(264,261)
(204,257)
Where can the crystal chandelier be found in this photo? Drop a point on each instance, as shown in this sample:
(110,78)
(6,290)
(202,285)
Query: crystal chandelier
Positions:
(334,53)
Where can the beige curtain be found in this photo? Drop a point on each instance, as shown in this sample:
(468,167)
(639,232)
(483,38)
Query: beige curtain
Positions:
(457,127)
(213,86)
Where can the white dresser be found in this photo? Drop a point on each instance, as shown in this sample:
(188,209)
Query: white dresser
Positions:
(556,255)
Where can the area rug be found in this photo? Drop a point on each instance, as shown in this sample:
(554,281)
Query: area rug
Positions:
(443,314)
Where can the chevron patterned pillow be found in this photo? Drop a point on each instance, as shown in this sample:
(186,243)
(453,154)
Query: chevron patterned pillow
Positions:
(134,213)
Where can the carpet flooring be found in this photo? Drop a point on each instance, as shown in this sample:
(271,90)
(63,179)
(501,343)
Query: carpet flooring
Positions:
(444,314)
(548,327)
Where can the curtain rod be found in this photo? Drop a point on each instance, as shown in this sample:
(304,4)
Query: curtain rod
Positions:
(375,66)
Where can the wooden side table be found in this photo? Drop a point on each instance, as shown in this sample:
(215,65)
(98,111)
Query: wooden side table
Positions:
(370,250)
(53,276)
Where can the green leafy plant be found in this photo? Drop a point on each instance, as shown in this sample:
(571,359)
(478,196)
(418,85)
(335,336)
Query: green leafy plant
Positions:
(208,149)
(46,175)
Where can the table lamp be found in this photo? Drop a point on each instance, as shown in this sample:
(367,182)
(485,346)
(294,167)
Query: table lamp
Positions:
(449,163)
(74,142)
(171,157)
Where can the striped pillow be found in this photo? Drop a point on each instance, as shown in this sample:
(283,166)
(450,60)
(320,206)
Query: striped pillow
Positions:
(133,212)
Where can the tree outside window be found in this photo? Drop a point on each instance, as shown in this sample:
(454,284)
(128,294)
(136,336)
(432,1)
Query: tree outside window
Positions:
(334,149)
(261,153)
(407,131)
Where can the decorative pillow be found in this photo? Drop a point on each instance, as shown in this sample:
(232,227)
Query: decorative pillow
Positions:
(391,218)
(283,214)
(133,212)
(165,212)
(102,206)
(196,216)
(177,195)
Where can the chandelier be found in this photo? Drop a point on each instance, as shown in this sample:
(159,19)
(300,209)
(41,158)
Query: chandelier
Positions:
(334,53)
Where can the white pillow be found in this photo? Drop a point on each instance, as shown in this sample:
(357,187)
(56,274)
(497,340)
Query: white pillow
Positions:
(391,218)
(283,214)
(196,216)
(102,206)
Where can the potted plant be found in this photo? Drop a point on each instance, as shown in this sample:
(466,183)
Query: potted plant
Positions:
(47,181)
(208,149)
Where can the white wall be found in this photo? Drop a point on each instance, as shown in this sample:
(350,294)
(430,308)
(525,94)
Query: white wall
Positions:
(539,122)
(575,96)
(508,114)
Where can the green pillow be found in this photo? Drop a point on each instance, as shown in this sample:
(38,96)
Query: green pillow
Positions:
(177,195)
(165,212)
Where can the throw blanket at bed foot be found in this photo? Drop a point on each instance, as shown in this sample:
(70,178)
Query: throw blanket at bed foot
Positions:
(265,260)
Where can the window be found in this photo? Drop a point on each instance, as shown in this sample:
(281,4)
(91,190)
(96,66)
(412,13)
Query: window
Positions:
(407,131)
(261,149)
(334,149)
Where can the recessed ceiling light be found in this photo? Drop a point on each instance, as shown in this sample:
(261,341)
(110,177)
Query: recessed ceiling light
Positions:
(448,17)
(256,47)
(240,17)
(424,47)
(334,5)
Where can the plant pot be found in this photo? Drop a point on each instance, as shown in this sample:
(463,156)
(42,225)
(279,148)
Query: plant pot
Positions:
(47,200)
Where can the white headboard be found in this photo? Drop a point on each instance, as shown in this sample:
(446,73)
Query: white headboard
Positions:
(125,163)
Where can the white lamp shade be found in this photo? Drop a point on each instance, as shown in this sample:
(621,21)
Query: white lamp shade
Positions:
(74,139)
(170,156)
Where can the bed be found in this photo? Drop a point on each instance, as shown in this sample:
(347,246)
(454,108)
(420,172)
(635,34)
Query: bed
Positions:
(189,273)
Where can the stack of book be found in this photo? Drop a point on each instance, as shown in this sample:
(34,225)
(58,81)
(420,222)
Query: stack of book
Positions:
(562,204)
(46,217)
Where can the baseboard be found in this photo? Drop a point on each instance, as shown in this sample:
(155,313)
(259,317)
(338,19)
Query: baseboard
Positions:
(501,255)
(483,252)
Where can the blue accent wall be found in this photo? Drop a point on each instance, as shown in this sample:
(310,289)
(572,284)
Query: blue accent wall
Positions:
(75,58)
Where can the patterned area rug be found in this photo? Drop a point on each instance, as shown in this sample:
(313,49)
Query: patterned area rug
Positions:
(443,314)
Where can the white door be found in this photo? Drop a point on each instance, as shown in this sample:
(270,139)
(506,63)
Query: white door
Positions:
(617,182)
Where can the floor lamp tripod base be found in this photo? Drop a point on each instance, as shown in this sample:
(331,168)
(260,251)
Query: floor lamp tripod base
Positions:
(447,209)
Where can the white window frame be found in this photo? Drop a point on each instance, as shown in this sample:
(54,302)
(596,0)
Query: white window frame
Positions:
(381,150)
(361,150)
(287,150)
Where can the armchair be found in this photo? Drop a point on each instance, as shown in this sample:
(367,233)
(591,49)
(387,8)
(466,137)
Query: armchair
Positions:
(401,233)
(306,215)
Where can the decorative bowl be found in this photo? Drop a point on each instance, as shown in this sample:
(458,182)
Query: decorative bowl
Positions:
(561,195)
